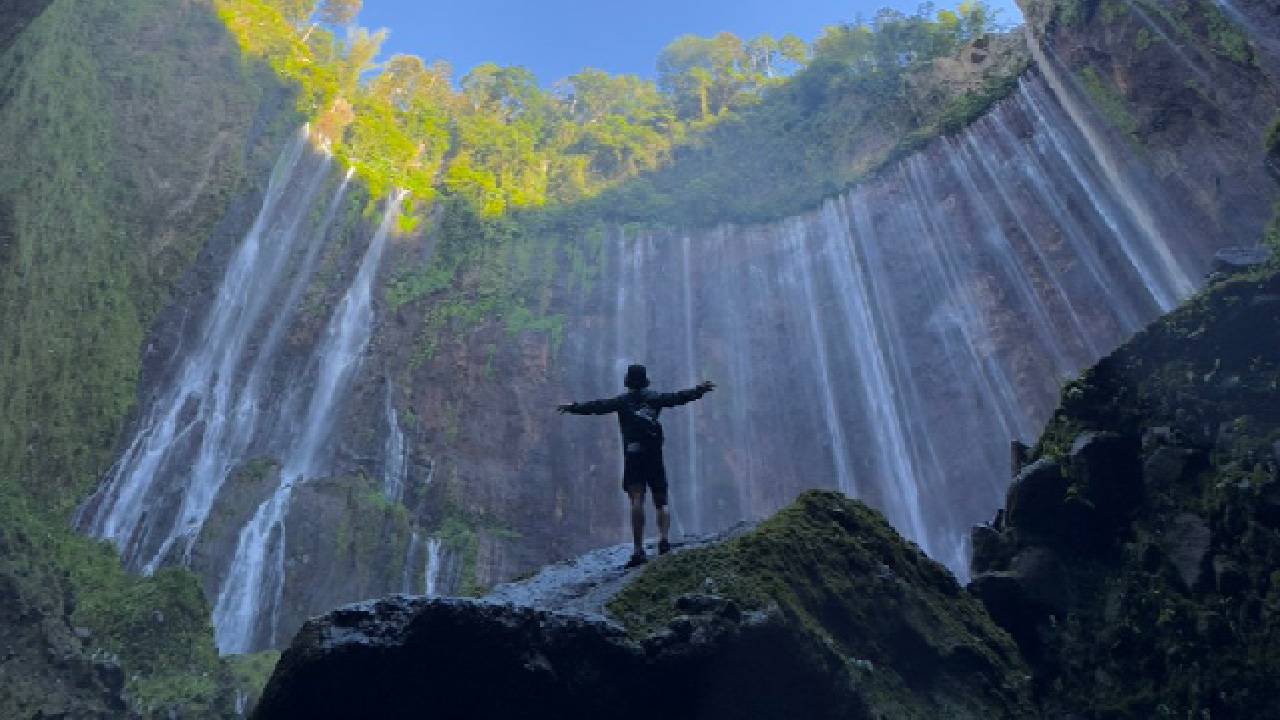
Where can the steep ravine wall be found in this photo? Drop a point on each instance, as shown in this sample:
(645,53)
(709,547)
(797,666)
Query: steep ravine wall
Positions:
(128,130)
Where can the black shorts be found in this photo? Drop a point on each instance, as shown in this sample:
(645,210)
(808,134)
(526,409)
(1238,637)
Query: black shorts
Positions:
(644,469)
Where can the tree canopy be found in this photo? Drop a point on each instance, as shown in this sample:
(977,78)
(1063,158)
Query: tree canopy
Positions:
(500,141)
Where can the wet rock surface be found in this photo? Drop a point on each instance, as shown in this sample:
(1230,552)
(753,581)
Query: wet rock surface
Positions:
(755,622)
(1237,259)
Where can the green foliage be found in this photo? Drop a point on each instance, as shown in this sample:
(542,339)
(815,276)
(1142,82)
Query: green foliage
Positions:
(1075,13)
(157,627)
(250,673)
(963,109)
(812,136)
(1272,236)
(759,126)
(1224,37)
(1271,141)
(1109,102)
(459,531)
(1199,384)
(1144,39)
(115,135)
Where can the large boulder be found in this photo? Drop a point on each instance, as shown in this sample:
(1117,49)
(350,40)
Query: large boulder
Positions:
(822,611)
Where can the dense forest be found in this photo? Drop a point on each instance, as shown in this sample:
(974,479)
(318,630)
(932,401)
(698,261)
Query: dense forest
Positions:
(500,140)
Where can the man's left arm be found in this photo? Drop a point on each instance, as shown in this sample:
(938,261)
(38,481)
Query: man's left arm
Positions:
(591,407)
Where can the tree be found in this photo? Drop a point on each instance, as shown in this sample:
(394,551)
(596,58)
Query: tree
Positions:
(297,12)
(704,75)
(339,13)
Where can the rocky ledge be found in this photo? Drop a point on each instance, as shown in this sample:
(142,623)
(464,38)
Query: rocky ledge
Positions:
(822,611)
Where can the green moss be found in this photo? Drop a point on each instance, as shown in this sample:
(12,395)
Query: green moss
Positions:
(1109,102)
(249,674)
(157,627)
(1272,236)
(1271,140)
(371,528)
(1144,39)
(960,112)
(845,580)
(1133,641)
(1224,37)
(1111,11)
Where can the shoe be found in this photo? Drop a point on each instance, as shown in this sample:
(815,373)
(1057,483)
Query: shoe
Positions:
(637,559)
(664,547)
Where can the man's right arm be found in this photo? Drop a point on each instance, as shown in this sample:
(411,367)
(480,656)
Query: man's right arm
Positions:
(591,407)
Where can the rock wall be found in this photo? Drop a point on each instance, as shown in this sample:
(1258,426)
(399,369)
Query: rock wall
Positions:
(1135,560)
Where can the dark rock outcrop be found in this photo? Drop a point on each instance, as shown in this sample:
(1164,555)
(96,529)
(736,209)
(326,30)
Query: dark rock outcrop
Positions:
(1174,608)
(820,612)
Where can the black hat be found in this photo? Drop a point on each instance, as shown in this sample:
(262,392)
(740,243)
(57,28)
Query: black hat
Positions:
(637,378)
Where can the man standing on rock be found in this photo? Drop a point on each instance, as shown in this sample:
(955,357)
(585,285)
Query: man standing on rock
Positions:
(638,411)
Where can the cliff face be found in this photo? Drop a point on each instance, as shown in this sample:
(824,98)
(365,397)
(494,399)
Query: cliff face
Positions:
(822,611)
(126,130)
(1135,560)
(890,344)
(1191,86)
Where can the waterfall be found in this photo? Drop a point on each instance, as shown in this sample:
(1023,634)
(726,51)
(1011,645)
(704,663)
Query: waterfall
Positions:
(248,605)
(199,427)
(242,391)
(411,562)
(395,465)
(893,342)
(432,570)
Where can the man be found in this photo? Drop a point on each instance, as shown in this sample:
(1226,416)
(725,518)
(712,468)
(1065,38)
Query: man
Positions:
(638,411)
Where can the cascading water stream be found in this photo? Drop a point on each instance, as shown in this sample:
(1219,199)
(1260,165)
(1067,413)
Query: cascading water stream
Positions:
(202,413)
(434,565)
(248,604)
(395,459)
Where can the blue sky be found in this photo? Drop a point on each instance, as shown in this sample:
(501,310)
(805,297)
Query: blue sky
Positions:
(555,38)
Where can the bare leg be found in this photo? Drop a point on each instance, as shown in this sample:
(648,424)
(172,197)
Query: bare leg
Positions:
(637,519)
(664,521)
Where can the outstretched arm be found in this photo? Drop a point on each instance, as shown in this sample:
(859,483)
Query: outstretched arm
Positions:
(592,407)
(680,397)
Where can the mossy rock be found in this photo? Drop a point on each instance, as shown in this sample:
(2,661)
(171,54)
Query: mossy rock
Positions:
(910,640)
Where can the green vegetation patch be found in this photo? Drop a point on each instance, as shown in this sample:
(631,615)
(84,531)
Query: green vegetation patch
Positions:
(839,574)
(1109,102)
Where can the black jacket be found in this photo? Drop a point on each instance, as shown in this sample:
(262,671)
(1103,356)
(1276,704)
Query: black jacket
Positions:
(638,412)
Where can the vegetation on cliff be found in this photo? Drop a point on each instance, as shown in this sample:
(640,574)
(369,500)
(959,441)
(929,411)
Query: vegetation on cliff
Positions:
(126,127)
(503,143)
